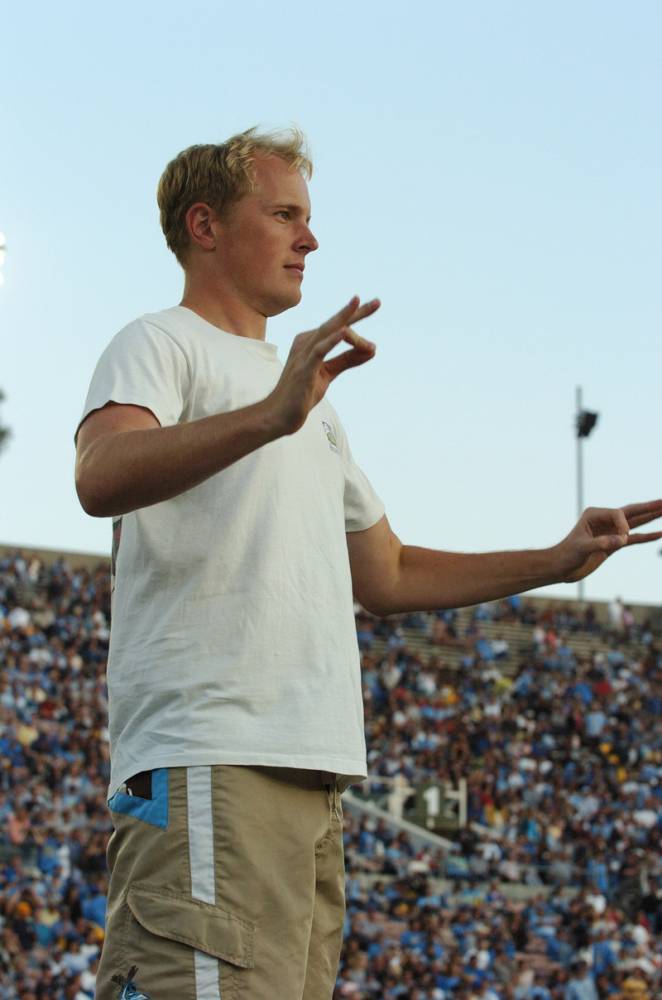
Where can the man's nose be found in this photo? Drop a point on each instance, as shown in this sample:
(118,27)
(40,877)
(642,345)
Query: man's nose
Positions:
(307,241)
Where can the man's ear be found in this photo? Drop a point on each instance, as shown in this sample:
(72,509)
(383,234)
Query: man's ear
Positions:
(201,223)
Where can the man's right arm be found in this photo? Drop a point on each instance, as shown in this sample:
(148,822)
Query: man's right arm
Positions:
(126,460)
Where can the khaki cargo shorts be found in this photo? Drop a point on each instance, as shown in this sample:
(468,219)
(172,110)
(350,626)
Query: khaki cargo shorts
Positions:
(226,883)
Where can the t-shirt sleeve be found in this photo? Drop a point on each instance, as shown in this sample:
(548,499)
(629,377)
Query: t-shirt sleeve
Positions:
(142,366)
(363,507)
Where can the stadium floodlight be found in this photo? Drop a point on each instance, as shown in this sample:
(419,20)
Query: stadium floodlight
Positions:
(586,421)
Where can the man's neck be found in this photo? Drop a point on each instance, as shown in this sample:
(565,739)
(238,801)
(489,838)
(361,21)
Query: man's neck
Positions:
(224,310)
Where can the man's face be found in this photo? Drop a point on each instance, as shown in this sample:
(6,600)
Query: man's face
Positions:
(264,238)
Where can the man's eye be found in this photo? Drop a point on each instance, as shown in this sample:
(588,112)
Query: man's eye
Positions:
(284,213)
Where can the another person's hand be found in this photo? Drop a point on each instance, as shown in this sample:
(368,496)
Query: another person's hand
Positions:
(599,533)
(306,375)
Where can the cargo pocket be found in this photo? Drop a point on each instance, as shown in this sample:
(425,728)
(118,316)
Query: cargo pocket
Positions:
(185,947)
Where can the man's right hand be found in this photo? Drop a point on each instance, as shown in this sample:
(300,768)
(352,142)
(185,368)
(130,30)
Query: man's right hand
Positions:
(306,375)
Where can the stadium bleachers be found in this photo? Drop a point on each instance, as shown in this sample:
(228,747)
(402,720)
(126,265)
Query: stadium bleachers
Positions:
(549,712)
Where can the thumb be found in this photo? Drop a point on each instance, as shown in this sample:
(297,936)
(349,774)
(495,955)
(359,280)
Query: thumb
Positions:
(611,543)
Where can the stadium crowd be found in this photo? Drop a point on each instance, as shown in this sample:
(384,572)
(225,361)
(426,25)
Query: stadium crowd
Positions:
(553,890)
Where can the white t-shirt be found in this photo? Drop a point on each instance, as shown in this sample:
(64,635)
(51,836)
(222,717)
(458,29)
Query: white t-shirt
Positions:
(233,638)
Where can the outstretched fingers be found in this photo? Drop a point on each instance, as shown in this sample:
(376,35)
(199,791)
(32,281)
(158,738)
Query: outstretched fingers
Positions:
(367,309)
(642,513)
(351,313)
(651,536)
(337,328)
(339,319)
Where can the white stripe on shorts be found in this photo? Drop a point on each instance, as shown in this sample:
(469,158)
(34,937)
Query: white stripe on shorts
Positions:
(201,854)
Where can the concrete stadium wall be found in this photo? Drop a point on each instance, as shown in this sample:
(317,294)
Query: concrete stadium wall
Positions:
(89,560)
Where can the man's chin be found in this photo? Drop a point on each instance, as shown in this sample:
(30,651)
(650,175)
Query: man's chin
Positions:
(276,305)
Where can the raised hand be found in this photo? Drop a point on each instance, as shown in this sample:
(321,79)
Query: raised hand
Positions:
(600,532)
(306,375)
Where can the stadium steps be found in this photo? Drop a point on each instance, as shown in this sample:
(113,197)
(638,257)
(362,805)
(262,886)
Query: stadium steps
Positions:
(535,954)
(518,636)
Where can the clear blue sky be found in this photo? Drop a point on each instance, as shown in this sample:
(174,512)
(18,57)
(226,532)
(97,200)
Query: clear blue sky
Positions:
(490,170)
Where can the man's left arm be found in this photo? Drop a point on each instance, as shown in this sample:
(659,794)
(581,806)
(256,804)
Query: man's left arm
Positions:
(389,577)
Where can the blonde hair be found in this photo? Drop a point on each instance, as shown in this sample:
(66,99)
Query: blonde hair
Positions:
(220,174)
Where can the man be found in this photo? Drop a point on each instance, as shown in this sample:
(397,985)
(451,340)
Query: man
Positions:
(581,985)
(241,530)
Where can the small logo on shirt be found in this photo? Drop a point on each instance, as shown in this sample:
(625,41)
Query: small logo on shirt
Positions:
(330,433)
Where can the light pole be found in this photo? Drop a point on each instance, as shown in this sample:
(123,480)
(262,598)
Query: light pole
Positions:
(4,431)
(585,421)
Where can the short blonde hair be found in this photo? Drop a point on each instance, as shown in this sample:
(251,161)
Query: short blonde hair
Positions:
(220,174)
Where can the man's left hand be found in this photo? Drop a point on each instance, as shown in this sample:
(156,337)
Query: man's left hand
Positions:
(600,532)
